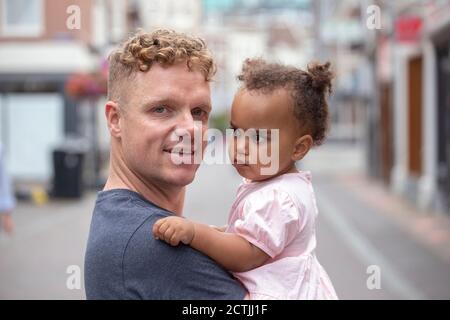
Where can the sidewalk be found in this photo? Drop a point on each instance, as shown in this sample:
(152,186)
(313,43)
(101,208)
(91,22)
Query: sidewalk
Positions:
(362,224)
(47,239)
(431,229)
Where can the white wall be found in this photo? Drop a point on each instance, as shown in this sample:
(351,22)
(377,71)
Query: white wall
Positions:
(180,15)
(400,166)
(242,45)
(35,126)
(98,17)
(1,119)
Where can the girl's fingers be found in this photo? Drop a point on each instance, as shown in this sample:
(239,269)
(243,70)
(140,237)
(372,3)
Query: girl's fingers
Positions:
(155,228)
(165,230)
(163,227)
(160,229)
(174,239)
(158,224)
(168,234)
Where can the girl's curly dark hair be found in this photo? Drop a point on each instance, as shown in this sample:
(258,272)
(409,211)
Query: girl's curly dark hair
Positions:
(309,90)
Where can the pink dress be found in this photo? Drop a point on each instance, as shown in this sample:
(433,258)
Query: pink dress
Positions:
(278,216)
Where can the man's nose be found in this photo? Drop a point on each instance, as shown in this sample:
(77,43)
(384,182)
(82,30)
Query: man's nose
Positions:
(187,127)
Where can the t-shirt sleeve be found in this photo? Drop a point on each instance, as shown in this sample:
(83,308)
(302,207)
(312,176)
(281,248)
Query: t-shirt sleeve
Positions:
(270,221)
(155,270)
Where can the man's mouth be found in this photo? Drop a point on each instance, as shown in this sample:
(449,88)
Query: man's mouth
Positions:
(179,152)
(241,164)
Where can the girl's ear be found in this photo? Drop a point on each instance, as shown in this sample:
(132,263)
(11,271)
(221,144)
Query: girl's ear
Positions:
(301,147)
(113,115)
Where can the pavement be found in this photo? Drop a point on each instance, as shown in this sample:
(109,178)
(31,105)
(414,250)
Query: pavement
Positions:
(46,241)
(372,243)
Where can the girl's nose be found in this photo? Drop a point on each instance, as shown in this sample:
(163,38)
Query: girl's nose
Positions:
(241,145)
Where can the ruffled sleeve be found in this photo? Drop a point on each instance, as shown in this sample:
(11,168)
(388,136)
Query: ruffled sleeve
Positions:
(270,221)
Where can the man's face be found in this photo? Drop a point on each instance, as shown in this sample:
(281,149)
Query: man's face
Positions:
(159,104)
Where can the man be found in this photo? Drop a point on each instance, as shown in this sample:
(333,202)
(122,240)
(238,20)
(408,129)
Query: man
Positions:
(7,201)
(158,88)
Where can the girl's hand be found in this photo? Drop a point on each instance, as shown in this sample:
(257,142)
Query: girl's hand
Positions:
(173,230)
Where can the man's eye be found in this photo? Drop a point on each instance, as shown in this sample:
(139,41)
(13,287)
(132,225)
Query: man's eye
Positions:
(198,112)
(160,109)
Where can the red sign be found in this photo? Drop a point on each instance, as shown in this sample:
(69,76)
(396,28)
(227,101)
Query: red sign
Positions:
(408,29)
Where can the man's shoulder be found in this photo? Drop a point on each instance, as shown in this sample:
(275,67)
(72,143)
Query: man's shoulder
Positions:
(119,213)
(117,216)
(124,260)
(153,269)
(119,199)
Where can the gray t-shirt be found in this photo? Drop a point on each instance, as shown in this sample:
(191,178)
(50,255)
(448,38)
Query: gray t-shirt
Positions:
(124,261)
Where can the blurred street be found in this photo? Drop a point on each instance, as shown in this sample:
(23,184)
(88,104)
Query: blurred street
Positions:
(382,178)
(360,225)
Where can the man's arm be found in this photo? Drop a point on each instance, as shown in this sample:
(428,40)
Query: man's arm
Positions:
(232,251)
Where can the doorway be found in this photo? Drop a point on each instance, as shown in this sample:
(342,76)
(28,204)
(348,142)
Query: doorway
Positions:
(415,117)
(443,72)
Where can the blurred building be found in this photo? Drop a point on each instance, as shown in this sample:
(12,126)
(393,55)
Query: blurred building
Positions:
(178,15)
(409,116)
(391,93)
(43,43)
(392,89)
(339,38)
(279,31)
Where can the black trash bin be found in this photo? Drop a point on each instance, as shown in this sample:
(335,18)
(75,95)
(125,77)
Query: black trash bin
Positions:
(68,172)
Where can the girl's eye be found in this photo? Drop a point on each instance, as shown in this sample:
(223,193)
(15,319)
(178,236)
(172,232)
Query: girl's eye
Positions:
(257,138)
(260,137)
(236,132)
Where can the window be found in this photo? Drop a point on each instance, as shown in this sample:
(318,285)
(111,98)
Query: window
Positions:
(22,18)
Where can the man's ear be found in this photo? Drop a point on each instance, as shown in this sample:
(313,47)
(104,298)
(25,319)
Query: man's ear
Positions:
(301,147)
(113,117)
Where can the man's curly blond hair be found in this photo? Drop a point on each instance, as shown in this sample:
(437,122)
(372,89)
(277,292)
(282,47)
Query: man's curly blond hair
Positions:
(163,46)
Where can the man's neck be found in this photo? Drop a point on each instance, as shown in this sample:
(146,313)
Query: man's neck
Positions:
(121,177)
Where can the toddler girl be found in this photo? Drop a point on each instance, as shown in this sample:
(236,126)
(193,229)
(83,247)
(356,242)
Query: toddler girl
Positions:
(269,242)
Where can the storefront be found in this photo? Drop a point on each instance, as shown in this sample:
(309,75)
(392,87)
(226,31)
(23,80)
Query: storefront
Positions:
(31,122)
(443,101)
(35,112)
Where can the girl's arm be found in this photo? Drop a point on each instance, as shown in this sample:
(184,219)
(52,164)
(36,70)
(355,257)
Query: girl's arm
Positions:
(221,229)
(230,250)
(233,252)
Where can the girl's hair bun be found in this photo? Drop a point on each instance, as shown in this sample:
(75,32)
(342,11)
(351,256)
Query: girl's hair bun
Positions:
(321,76)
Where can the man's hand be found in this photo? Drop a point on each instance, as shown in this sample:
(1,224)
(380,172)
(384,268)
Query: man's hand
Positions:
(173,230)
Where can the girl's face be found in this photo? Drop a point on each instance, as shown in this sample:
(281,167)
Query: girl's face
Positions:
(253,111)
